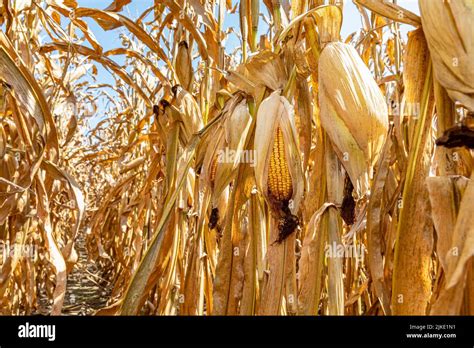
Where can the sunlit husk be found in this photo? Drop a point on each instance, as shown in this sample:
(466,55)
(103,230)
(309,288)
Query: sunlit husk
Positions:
(449,32)
(190,112)
(353,109)
(183,66)
(226,150)
(264,69)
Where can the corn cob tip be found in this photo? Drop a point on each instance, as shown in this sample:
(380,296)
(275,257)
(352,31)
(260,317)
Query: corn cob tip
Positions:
(175,89)
(214,218)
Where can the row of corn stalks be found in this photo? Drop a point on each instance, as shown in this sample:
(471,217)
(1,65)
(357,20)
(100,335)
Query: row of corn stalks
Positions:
(297,174)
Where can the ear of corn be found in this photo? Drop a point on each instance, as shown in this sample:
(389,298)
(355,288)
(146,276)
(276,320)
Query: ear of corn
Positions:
(278,169)
(210,161)
(228,139)
(236,126)
(183,66)
(353,110)
(189,112)
(279,179)
(449,32)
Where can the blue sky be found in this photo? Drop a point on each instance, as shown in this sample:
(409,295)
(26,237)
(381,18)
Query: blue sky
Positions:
(110,39)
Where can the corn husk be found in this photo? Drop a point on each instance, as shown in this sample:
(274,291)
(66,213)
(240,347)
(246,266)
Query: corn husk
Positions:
(448,30)
(264,69)
(226,148)
(353,110)
(275,111)
(183,65)
(189,113)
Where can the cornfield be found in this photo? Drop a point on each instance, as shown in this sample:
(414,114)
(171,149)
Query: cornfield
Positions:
(292,172)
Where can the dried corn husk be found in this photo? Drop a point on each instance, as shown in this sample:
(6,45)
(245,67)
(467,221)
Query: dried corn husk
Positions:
(183,65)
(226,148)
(353,110)
(276,112)
(449,32)
(265,69)
(190,113)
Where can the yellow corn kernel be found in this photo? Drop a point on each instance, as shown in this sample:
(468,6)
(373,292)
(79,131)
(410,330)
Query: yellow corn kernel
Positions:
(279,179)
(212,174)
